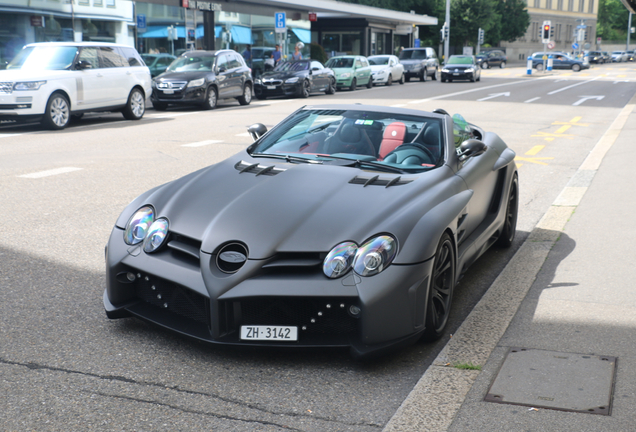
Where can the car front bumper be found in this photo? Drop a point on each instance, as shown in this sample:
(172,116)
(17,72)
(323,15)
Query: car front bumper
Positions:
(186,96)
(458,75)
(191,297)
(279,89)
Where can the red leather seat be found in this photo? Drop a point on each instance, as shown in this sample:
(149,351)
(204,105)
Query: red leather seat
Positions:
(393,137)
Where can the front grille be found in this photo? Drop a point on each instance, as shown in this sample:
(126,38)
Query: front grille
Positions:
(272,82)
(172,297)
(314,316)
(6,87)
(172,85)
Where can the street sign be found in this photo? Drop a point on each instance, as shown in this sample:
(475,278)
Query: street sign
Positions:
(279,19)
(550,45)
(313,16)
(575,46)
(141,23)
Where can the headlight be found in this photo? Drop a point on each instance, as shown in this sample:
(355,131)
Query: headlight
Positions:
(344,75)
(196,83)
(156,235)
(138,225)
(28,85)
(381,72)
(375,255)
(445,70)
(291,80)
(153,83)
(339,260)
(469,70)
(257,81)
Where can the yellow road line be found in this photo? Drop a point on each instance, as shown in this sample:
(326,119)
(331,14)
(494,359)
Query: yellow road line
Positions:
(534,150)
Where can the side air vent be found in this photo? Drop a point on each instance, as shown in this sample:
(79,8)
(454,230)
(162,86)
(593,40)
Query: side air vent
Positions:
(231,257)
(258,169)
(377,181)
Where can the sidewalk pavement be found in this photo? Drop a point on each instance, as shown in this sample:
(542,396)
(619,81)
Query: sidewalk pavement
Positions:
(555,335)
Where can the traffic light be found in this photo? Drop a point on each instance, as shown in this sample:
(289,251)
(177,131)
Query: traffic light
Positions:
(443,32)
(480,36)
(545,33)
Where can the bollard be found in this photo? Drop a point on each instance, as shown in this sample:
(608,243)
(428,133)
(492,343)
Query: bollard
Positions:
(550,63)
(529,66)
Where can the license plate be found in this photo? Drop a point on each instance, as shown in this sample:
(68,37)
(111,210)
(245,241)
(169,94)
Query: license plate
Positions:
(455,74)
(168,92)
(271,87)
(270,333)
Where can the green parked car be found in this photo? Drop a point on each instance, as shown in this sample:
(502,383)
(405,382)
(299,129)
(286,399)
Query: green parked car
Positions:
(351,71)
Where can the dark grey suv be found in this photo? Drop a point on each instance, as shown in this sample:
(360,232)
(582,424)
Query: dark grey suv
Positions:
(492,58)
(202,78)
(419,63)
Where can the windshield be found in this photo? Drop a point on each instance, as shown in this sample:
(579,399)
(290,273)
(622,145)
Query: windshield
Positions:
(460,60)
(192,63)
(292,66)
(44,58)
(413,54)
(378,61)
(381,140)
(340,62)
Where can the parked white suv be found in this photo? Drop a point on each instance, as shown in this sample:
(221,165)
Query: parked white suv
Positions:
(54,81)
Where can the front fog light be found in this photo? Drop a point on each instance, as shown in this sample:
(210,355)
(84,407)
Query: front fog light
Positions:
(339,260)
(375,255)
(156,235)
(138,224)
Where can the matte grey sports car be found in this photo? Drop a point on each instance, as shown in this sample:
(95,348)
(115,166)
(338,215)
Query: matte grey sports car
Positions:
(342,226)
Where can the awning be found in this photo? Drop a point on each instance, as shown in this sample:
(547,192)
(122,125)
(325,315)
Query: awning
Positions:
(241,35)
(303,35)
(162,32)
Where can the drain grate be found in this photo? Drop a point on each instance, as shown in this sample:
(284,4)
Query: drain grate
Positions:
(555,380)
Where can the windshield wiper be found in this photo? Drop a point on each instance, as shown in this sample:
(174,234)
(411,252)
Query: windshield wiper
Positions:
(287,158)
(359,163)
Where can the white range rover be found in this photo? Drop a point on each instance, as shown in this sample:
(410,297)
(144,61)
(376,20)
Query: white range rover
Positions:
(57,81)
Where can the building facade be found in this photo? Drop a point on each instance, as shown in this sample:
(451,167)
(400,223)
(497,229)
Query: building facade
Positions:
(573,24)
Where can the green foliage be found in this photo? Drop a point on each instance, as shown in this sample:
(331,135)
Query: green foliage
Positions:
(613,17)
(467,16)
(515,20)
(467,366)
(317,52)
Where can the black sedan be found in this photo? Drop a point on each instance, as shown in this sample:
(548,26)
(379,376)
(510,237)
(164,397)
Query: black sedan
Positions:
(202,78)
(559,61)
(343,226)
(295,78)
(461,67)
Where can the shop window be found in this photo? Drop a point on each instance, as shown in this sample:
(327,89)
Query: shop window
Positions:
(110,3)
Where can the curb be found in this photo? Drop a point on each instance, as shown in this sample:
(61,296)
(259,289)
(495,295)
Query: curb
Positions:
(437,397)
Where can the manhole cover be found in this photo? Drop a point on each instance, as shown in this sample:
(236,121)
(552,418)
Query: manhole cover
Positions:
(555,380)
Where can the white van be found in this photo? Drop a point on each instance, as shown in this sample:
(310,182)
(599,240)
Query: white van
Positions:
(54,81)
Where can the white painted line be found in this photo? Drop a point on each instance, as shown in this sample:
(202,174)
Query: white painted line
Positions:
(202,143)
(532,100)
(51,172)
(464,92)
(9,135)
(573,85)
(174,114)
(272,102)
(494,95)
(585,98)
(398,105)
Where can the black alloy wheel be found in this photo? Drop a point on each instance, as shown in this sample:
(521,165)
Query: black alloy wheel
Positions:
(440,293)
(509,229)
(306,89)
(210,99)
(247,95)
(353,84)
(389,80)
(370,82)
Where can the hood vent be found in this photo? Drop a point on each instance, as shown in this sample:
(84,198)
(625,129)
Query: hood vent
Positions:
(377,181)
(258,169)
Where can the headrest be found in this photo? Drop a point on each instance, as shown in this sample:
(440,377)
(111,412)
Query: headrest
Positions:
(431,135)
(350,133)
(395,130)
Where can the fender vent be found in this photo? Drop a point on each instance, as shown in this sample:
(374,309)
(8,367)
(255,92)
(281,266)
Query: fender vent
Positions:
(377,181)
(258,169)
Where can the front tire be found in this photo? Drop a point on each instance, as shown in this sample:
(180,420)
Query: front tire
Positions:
(389,80)
(509,229)
(353,85)
(305,90)
(247,95)
(485,65)
(440,292)
(576,68)
(211,98)
(539,67)
(370,82)
(435,75)
(423,75)
(58,112)
(401,79)
(136,105)
(331,88)
(502,65)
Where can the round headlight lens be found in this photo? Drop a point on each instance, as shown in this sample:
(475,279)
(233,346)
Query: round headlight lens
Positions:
(138,224)
(156,235)
(339,260)
(375,255)
(344,75)
(292,80)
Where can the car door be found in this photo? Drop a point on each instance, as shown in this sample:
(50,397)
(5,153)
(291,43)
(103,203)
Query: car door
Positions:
(223,76)
(91,88)
(118,79)
(318,75)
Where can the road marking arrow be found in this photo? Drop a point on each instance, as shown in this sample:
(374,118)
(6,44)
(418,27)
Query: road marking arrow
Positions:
(494,95)
(585,98)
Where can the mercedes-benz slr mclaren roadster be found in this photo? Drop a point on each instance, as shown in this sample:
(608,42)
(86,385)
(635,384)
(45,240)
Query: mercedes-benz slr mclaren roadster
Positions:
(342,226)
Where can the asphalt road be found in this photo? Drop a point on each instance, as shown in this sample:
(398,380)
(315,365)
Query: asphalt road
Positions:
(65,366)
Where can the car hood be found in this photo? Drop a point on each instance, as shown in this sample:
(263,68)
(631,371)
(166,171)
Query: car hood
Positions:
(28,75)
(289,207)
(458,66)
(338,71)
(376,68)
(182,76)
(282,75)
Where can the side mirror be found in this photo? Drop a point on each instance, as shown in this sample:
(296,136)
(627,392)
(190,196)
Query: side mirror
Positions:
(257,130)
(315,68)
(471,148)
(84,64)
(222,69)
